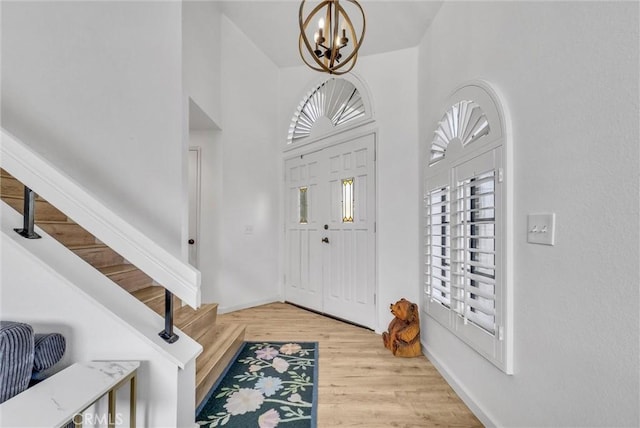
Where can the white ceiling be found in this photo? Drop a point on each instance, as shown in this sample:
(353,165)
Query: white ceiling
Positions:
(273,25)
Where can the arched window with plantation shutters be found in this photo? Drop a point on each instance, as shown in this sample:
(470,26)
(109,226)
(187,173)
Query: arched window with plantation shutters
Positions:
(467,232)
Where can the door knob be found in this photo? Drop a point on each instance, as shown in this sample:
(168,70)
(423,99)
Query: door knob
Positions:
(325,240)
(191,242)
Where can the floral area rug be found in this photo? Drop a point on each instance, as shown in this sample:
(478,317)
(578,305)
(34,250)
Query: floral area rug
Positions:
(270,384)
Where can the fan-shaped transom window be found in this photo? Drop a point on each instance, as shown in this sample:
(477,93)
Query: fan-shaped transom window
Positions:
(336,100)
(465,120)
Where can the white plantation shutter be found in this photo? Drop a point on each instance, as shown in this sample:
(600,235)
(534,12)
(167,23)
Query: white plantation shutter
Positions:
(475,261)
(464,283)
(438,248)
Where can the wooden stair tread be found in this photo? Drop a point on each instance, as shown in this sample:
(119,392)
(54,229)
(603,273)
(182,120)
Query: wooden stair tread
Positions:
(195,322)
(44,210)
(66,232)
(115,269)
(97,255)
(86,246)
(184,313)
(149,293)
(220,345)
(153,296)
(216,342)
(21,197)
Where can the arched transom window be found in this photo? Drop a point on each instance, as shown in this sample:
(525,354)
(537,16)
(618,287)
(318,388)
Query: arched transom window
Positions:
(464,120)
(335,101)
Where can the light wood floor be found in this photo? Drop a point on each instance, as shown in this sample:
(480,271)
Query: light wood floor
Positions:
(360,383)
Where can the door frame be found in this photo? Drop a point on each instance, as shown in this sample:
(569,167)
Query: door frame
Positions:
(198,196)
(316,145)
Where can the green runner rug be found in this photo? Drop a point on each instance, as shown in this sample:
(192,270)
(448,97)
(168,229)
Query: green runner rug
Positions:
(268,384)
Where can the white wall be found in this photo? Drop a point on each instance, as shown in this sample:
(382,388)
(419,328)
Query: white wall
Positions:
(201,55)
(395,105)
(247,258)
(96,88)
(569,74)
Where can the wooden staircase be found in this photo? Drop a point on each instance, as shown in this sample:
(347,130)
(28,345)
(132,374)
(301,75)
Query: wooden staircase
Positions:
(219,341)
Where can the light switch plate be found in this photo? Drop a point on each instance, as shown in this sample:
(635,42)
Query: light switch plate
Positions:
(541,228)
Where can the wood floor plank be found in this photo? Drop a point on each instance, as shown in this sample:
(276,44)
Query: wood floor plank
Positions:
(360,383)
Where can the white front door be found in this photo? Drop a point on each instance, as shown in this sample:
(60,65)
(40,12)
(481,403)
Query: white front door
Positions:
(331,230)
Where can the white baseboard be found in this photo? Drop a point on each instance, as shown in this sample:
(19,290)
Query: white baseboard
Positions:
(452,380)
(227,309)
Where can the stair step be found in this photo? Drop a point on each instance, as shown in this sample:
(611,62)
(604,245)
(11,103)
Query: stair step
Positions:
(127,276)
(44,210)
(119,268)
(220,345)
(153,297)
(148,294)
(9,186)
(67,233)
(196,323)
(97,255)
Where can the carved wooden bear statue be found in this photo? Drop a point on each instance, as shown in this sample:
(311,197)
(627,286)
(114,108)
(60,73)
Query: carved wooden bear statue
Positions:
(403,337)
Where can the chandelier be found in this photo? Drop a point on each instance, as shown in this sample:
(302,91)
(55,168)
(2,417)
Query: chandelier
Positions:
(335,42)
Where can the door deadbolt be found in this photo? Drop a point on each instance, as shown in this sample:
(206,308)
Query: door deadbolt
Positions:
(191,242)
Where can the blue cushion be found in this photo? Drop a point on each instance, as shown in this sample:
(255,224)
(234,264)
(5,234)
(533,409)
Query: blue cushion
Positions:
(48,350)
(16,358)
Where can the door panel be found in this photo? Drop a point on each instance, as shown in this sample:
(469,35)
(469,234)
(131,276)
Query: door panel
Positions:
(350,286)
(335,275)
(303,280)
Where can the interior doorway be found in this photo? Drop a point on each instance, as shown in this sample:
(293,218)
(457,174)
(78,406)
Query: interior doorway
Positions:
(194,205)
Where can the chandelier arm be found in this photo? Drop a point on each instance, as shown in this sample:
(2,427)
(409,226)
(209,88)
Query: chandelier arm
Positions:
(313,67)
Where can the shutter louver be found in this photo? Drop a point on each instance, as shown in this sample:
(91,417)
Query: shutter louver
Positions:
(438,251)
(474,259)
